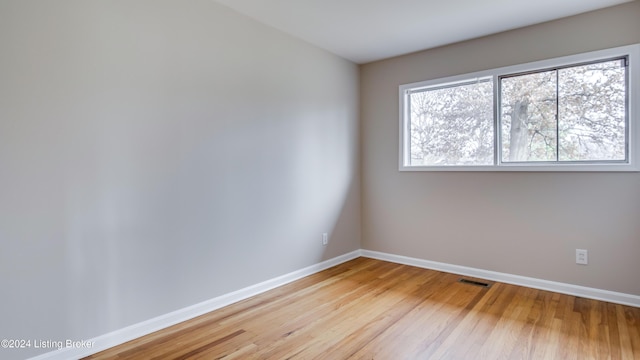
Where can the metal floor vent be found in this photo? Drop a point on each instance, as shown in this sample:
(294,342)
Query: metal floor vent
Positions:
(476,283)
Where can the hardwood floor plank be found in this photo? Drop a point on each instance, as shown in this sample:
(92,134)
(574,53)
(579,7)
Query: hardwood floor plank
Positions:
(372,309)
(342,316)
(633,327)
(373,324)
(410,335)
(543,342)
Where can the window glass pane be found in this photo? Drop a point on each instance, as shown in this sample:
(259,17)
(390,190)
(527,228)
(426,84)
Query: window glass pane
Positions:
(591,112)
(528,119)
(452,125)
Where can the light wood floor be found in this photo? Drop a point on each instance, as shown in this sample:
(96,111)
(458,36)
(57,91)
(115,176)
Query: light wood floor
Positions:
(371,309)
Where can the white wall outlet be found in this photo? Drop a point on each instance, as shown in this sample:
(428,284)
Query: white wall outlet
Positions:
(325,238)
(582,256)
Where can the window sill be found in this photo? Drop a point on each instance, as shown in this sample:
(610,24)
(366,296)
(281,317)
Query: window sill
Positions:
(528,168)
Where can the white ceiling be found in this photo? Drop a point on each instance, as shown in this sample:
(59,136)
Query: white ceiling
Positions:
(368,30)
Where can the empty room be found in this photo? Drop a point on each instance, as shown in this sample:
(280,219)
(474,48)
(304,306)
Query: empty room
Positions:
(319,179)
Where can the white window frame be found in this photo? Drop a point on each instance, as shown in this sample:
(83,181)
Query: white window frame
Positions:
(632,52)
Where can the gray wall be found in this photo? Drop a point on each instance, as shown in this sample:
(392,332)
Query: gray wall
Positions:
(519,223)
(158,153)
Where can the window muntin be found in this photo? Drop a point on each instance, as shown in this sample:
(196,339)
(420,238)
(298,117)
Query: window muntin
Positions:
(571,125)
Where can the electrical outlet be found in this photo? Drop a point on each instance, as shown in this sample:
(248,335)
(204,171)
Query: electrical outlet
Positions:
(325,238)
(582,256)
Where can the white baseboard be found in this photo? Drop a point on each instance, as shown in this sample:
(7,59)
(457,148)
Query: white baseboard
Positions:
(129,333)
(121,336)
(575,290)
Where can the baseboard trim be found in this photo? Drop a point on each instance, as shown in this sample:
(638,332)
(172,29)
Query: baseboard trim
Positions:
(569,289)
(135,331)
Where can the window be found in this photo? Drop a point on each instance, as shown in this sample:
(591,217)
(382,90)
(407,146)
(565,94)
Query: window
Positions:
(569,114)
